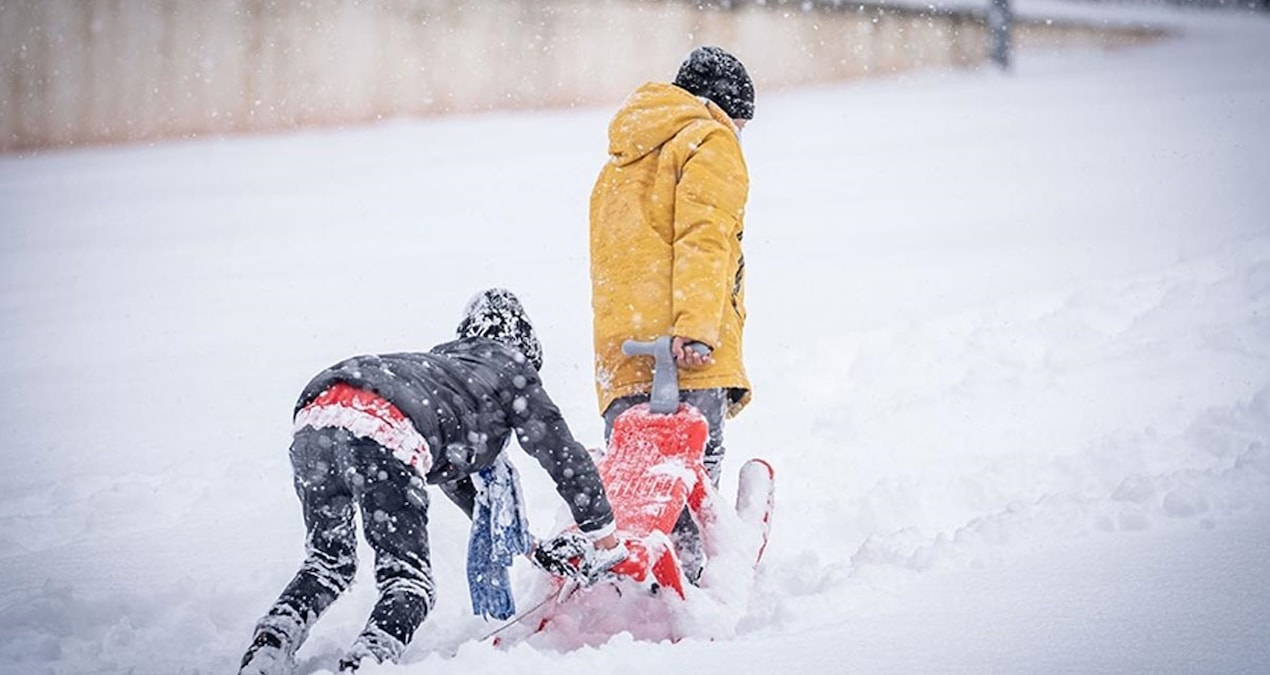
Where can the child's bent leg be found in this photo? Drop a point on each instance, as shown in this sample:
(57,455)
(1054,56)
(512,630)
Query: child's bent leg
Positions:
(330,561)
(394,508)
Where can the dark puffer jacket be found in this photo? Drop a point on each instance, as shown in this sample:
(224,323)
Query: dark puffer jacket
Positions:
(466,397)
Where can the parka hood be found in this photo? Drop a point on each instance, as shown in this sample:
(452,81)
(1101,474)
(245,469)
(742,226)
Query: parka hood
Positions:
(654,114)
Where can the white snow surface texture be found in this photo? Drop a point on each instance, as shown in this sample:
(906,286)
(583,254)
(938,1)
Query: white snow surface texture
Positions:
(1009,337)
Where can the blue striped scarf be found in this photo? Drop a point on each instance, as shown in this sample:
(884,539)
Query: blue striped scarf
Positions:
(500,532)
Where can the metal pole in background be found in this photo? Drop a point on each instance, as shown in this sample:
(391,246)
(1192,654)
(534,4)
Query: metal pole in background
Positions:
(999,20)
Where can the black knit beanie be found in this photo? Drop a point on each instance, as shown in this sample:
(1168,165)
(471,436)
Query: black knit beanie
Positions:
(719,76)
(497,314)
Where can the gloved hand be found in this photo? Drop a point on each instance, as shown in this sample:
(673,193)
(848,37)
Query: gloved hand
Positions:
(572,555)
(561,555)
(598,562)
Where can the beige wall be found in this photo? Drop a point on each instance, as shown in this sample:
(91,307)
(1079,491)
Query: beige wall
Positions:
(94,71)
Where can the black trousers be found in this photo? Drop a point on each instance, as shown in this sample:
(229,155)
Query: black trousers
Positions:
(335,474)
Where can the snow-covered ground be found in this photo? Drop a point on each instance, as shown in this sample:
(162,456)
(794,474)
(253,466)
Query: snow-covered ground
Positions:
(1009,336)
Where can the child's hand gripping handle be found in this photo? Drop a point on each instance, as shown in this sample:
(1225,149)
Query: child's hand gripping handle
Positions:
(573,555)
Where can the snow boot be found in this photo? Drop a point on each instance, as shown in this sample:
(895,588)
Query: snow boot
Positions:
(267,655)
(375,644)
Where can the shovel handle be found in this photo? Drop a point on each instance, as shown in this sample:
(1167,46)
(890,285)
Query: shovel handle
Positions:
(664,398)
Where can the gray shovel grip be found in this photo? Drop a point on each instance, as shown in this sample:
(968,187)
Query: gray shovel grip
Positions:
(664,398)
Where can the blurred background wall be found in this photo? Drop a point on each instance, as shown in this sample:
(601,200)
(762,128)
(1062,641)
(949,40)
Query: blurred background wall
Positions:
(107,71)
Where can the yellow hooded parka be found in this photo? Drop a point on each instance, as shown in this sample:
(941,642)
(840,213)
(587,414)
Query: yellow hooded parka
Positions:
(667,219)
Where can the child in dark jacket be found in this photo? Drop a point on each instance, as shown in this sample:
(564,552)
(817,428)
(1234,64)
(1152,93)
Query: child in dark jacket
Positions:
(372,431)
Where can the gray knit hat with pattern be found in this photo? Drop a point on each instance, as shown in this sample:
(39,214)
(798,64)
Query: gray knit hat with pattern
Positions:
(497,314)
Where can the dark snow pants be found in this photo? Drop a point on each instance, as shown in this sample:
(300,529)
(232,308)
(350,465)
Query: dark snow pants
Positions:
(336,472)
(711,403)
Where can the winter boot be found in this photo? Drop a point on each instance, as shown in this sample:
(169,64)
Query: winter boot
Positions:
(375,644)
(267,655)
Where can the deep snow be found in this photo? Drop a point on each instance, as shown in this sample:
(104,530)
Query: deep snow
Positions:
(1009,336)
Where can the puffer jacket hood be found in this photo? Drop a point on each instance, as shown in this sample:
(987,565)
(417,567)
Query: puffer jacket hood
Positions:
(654,114)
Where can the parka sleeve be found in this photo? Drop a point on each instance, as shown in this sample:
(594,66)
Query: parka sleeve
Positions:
(542,432)
(709,215)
